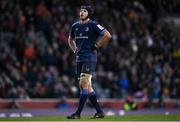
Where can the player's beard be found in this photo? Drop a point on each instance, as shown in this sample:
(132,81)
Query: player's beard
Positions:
(85,18)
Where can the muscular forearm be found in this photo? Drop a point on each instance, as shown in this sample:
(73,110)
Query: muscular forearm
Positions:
(103,40)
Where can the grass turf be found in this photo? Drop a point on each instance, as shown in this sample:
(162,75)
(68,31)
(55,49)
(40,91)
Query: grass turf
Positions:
(107,118)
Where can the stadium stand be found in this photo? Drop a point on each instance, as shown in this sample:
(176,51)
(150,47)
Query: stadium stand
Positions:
(142,59)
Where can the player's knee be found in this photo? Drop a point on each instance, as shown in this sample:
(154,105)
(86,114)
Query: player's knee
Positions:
(85,77)
(90,89)
(85,80)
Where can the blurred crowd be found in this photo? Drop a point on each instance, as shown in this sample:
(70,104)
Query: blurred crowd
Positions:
(140,60)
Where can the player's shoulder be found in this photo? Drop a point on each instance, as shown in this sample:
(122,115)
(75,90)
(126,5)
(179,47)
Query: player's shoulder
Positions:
(75,23)
(97,25)
(93,22)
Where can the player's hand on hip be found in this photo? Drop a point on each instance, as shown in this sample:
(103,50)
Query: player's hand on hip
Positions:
(75,50)
(94,47)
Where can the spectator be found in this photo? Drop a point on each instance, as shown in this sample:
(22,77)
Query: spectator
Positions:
(35,60)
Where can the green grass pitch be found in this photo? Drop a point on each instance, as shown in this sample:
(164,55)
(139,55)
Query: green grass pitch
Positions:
(126,118)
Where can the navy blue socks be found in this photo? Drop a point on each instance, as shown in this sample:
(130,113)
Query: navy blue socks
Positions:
(82,100)
(93,100)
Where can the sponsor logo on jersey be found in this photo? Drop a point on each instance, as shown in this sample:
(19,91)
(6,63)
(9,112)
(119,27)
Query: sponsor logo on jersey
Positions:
(81,37)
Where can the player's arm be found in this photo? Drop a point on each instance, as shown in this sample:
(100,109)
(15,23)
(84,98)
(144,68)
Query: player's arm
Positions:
(72,44)
(71,40)
(103,39)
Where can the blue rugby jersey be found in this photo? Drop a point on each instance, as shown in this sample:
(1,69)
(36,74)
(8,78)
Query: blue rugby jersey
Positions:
(85,36)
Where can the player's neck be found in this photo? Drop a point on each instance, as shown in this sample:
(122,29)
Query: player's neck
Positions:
(84,21)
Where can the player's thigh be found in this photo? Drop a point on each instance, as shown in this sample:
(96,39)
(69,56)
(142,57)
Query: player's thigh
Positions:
(88,67)
(78,69)
(87,70)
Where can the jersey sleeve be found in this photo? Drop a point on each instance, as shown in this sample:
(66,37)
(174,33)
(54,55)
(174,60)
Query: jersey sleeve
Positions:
(99,29)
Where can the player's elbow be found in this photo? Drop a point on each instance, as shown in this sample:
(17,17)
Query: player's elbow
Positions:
(107,35)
